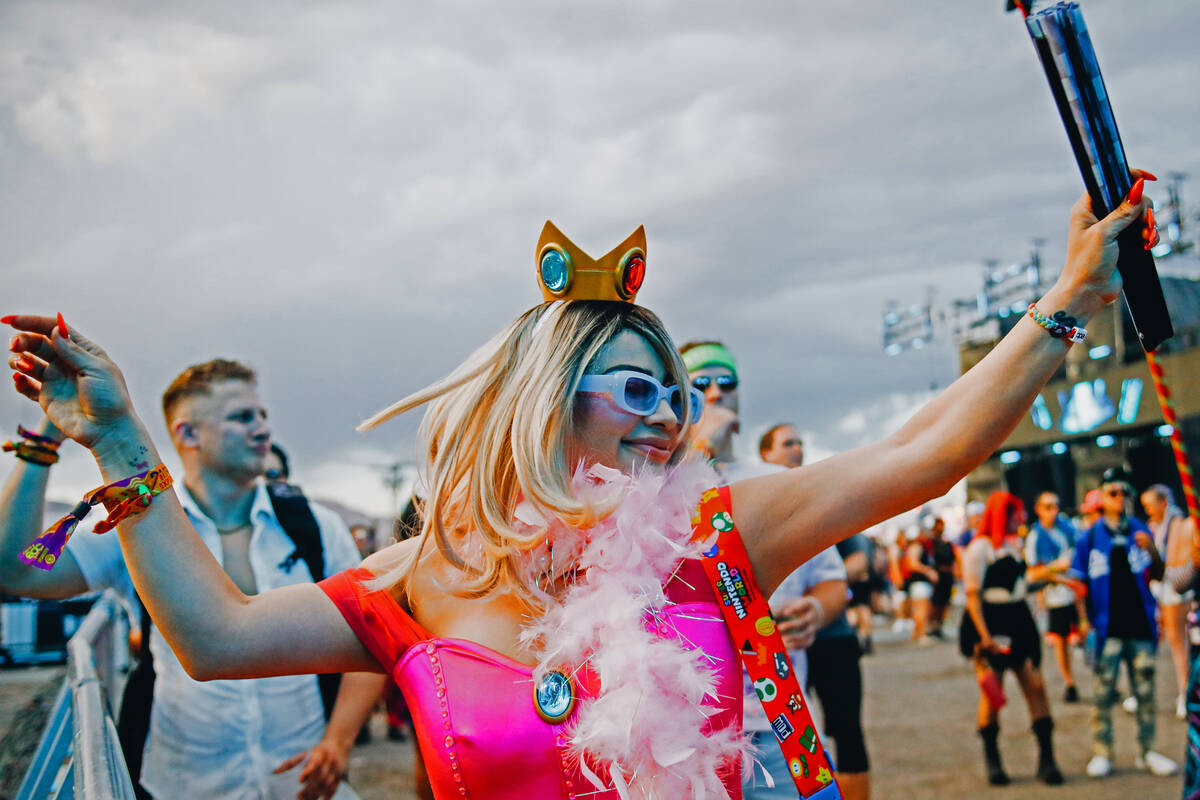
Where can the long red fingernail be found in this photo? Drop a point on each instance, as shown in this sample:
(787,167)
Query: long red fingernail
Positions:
(1135,197)
(1150,218)
(9,319)
(1150,176)
(62,323)
(23,364)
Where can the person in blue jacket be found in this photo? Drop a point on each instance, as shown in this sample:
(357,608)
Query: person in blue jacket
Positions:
(1117,559)
(1049,544)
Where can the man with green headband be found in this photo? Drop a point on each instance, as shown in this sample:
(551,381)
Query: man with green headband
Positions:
(713,371)
(810,597)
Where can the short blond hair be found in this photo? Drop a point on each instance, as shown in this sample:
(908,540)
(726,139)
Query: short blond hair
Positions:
(199,379)
(496,432)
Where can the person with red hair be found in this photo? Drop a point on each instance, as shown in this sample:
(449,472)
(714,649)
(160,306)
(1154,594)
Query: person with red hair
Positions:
(998,632)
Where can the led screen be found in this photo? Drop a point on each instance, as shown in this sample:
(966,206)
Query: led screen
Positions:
(1086,407)
(1131,398)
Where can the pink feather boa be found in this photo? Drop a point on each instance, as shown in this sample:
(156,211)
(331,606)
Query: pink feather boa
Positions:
(646,682)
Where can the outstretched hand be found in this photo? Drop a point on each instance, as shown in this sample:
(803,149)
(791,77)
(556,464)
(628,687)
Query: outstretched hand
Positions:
(324,767)
(77,385)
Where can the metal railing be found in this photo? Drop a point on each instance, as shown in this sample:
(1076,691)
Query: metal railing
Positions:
(88,763)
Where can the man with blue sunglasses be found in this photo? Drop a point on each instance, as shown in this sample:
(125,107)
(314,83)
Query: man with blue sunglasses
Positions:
(713,372)
(810,597)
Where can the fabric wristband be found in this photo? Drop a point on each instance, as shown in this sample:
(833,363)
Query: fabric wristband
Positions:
(33,448)
(1060,326)
(121,499)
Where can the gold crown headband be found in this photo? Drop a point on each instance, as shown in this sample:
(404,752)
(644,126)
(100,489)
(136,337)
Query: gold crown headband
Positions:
(565,272)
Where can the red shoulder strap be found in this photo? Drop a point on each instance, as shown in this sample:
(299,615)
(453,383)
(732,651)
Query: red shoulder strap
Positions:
(755,634)
(384,628)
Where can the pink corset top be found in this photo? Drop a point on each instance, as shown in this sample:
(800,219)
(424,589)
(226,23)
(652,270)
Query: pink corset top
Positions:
(473,710)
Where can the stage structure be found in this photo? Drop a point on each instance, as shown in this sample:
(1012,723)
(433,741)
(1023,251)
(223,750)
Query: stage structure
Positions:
(1099,410)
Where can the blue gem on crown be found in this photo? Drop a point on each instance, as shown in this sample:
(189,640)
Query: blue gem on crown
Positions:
(554,270)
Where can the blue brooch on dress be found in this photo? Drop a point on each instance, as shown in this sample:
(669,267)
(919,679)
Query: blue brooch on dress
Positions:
(554,697)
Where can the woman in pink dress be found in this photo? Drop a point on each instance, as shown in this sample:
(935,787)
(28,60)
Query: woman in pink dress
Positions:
(550,626)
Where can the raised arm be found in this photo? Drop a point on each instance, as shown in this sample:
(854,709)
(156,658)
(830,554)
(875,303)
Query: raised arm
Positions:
(787,517)
(215,629)
(22,504)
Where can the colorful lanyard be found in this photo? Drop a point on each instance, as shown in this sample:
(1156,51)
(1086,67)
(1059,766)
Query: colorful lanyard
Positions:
(748,617)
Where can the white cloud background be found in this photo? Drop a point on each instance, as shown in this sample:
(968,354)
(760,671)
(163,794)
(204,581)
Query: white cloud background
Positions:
(347,196)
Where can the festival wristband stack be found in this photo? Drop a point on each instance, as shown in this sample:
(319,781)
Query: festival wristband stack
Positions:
(32,447)
(1060,326)
(121,499)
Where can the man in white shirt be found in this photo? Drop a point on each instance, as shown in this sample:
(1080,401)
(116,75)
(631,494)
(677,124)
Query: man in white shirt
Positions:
(232,739)
(813,595)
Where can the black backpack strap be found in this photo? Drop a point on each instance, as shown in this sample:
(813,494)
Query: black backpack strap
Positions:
(296,518)
(298,522)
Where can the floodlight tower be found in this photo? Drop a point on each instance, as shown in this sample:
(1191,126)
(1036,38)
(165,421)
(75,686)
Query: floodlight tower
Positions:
(1172,219)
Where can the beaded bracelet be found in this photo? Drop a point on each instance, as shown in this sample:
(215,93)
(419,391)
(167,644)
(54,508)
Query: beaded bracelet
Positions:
(1060,326)
(33,447)
(121,499)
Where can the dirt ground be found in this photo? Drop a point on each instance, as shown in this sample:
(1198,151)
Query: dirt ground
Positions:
(27,696)
(382,769)
(920,732)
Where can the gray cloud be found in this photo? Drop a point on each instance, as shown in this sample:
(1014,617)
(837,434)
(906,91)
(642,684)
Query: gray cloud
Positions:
(348,196)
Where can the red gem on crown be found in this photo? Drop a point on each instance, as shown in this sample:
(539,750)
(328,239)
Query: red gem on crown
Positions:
(635,272)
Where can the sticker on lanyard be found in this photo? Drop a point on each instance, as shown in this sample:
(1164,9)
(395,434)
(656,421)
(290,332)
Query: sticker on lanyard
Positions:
(748,617)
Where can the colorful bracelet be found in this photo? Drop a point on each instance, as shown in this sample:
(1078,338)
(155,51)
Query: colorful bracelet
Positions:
(121,499)
(1060,326)
(33,447)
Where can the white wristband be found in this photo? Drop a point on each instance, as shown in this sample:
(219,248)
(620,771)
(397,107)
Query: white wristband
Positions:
(820,611)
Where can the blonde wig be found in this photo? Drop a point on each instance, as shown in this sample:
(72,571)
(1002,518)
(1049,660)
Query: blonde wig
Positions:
(497,432)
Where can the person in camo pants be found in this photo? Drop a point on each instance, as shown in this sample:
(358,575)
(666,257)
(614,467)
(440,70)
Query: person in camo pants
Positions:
(1117,558)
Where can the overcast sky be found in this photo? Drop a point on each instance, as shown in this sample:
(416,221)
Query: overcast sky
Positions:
(348,196)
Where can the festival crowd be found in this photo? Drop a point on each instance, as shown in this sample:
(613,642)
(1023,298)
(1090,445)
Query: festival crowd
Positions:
(270,632)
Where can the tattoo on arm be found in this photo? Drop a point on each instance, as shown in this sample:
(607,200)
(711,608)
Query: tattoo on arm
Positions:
(139,461)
